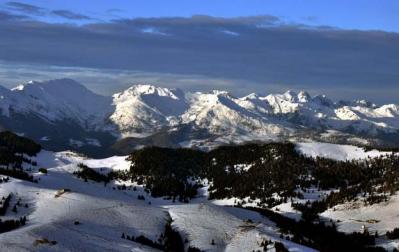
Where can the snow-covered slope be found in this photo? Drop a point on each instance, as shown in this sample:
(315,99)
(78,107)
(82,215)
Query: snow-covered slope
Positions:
(92,216)
(56,100)
(378,218)
(103,214)
(337,151)
(232,118)
(144,111)
(228,227)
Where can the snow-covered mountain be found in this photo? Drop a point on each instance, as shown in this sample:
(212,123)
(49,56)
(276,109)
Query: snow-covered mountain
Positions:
(65,113)
(56,100)
(144,109)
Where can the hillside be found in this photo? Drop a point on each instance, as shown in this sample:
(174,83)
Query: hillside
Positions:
(156,197)
(64,212)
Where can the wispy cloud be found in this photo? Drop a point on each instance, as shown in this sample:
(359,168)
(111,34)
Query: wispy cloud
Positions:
(311,19)
(25,8)
(155,31)
(232,33)
(7,16)
(70,15)
(114,10)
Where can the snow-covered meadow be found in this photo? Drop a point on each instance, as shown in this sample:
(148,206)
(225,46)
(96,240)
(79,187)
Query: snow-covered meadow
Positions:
(67,214)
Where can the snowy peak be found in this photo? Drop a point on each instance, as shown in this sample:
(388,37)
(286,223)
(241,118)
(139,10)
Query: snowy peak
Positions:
(251,96)
(145,89)
(143,109)
(389,110)
(290,96)
(63,90)
(54,86)
(56,100)
(291,102)
(168,102)
(364,103)
(303,96)
(233,118)
(221,93)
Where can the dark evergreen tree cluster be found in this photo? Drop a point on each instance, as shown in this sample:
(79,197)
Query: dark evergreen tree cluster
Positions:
(120,175)
(9,225)
(87,173)
(274,168)
(165,172)
(12,150)
(265,245)
(172,239)
(373,180)
(17,173)
(193,249)
(279,247)
(381,148)
(16,144)
(394,234)
(4,204)
(43,170)
(4,179)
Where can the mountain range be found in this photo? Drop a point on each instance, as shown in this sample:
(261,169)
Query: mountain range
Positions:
(63,114)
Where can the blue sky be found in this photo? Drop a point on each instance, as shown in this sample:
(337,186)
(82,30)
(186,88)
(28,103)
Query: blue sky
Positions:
(352,14)
(345,49)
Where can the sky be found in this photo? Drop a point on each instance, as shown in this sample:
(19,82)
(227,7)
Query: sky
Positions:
(344,49)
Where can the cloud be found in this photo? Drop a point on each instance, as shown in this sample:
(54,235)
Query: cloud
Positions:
(155,31)
(312,19)
(70,15)
(114,10)
(6,16)
(286,55)
(25,8)
(29,9)
(230,33)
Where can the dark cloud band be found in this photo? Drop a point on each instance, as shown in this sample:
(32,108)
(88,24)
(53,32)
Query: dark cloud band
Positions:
(263,50)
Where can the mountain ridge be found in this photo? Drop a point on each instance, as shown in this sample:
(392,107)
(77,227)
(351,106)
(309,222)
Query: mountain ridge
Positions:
(146,111)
